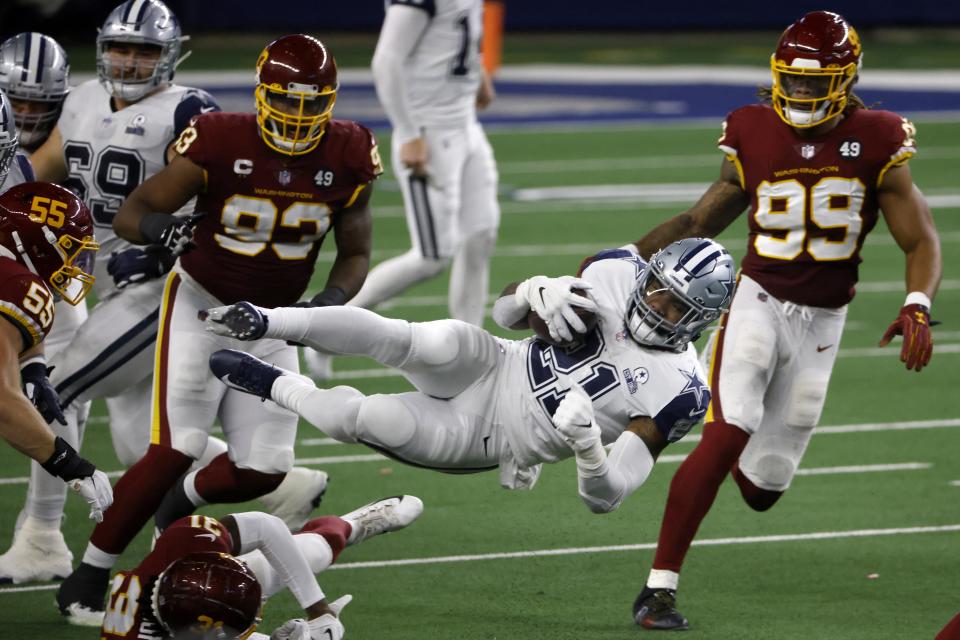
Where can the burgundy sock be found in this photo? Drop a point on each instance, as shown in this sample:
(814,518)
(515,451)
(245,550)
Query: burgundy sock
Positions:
(221,481)
(334,530)
(137,495)
(758,499)
(693,490)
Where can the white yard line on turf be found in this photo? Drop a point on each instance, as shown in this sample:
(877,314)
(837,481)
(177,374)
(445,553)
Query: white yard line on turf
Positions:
(569,551)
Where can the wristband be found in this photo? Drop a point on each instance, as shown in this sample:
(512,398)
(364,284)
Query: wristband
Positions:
(66,463)
(917,297)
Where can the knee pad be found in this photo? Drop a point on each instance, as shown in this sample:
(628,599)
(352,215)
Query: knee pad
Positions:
(754,345)
(189,441)
(384,420)
(772,472)
(434,343)
(807,396)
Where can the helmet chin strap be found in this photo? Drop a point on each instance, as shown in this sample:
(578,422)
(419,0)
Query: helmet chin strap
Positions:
(24,256)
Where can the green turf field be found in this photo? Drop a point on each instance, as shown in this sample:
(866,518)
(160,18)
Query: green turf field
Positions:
(809,580)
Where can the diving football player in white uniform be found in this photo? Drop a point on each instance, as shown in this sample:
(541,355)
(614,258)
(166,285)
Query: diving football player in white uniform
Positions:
(484,402)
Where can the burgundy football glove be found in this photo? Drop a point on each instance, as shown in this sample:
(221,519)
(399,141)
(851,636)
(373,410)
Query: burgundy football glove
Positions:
(913,324)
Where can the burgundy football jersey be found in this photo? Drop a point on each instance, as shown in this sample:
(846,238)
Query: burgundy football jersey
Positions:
(25,302)
(129,613)
(267,213)
(812,201)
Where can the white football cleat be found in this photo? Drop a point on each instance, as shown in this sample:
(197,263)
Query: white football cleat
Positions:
(298,495)
(382,516)
(37,554)
(82,616)
(319,365)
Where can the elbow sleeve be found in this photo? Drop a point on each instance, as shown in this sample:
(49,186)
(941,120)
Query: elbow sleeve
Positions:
(627,467)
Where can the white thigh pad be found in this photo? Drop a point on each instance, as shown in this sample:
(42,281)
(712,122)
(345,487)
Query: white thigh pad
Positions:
(807,397)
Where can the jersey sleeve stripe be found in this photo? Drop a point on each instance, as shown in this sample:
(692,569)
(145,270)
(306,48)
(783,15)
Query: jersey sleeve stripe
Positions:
(732,157)
(160,429)
(356,194)
(27,325)
(899,158)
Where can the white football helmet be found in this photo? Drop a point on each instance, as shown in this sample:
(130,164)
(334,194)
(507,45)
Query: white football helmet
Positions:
(8,136)
(144,23)
(34,69)
(699,274)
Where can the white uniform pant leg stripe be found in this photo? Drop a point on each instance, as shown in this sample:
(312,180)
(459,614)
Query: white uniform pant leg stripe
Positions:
(138,338)
(420,201)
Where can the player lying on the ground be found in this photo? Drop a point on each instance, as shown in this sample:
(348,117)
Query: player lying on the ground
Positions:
(192,583)
(485,402)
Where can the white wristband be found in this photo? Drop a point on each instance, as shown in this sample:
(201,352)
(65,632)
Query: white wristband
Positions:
(917,297)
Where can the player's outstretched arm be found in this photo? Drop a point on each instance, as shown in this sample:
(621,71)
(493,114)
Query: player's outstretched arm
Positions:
(353,231)
(22,426)
(145,216)
(723,201)
(604,480)
(911,225)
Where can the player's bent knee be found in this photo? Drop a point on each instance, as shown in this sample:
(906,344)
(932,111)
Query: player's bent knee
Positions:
(383,420)
(268,459)
(772,472)
(806,401)
(190,442)
(435,343)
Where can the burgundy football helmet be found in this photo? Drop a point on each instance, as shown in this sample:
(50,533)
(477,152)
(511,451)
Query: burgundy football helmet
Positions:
(296,90)
(49,230)
(207,596)
(815,65)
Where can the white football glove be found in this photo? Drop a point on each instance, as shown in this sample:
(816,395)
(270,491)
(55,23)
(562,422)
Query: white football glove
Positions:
(295,629)
(574,419)
(552,300)
(96,490)
(327,626)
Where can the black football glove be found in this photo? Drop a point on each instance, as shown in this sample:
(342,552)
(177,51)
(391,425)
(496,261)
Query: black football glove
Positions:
(139,264)
(169,231)
(37,387)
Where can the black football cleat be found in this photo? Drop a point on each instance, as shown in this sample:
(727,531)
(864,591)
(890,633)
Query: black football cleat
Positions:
(81,595)
(242,371)
(657,609)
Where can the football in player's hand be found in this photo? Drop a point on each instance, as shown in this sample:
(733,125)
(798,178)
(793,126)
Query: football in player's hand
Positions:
(588,317)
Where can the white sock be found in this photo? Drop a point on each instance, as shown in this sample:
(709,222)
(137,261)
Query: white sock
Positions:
(190,489)
(343,330)
(97,558)
(47,494)
(663,579)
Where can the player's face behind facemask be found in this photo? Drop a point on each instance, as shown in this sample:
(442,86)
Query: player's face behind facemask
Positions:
(138,49)
(35,74)
(814,67)
(683,288)
(295,94)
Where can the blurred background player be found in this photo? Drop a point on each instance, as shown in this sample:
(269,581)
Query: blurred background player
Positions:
(221,572)
(484,402)
(430,81)
(815,168)
(292,173)
(46,250)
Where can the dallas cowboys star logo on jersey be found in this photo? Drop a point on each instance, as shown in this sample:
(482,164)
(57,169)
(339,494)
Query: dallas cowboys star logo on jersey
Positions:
(695,386)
